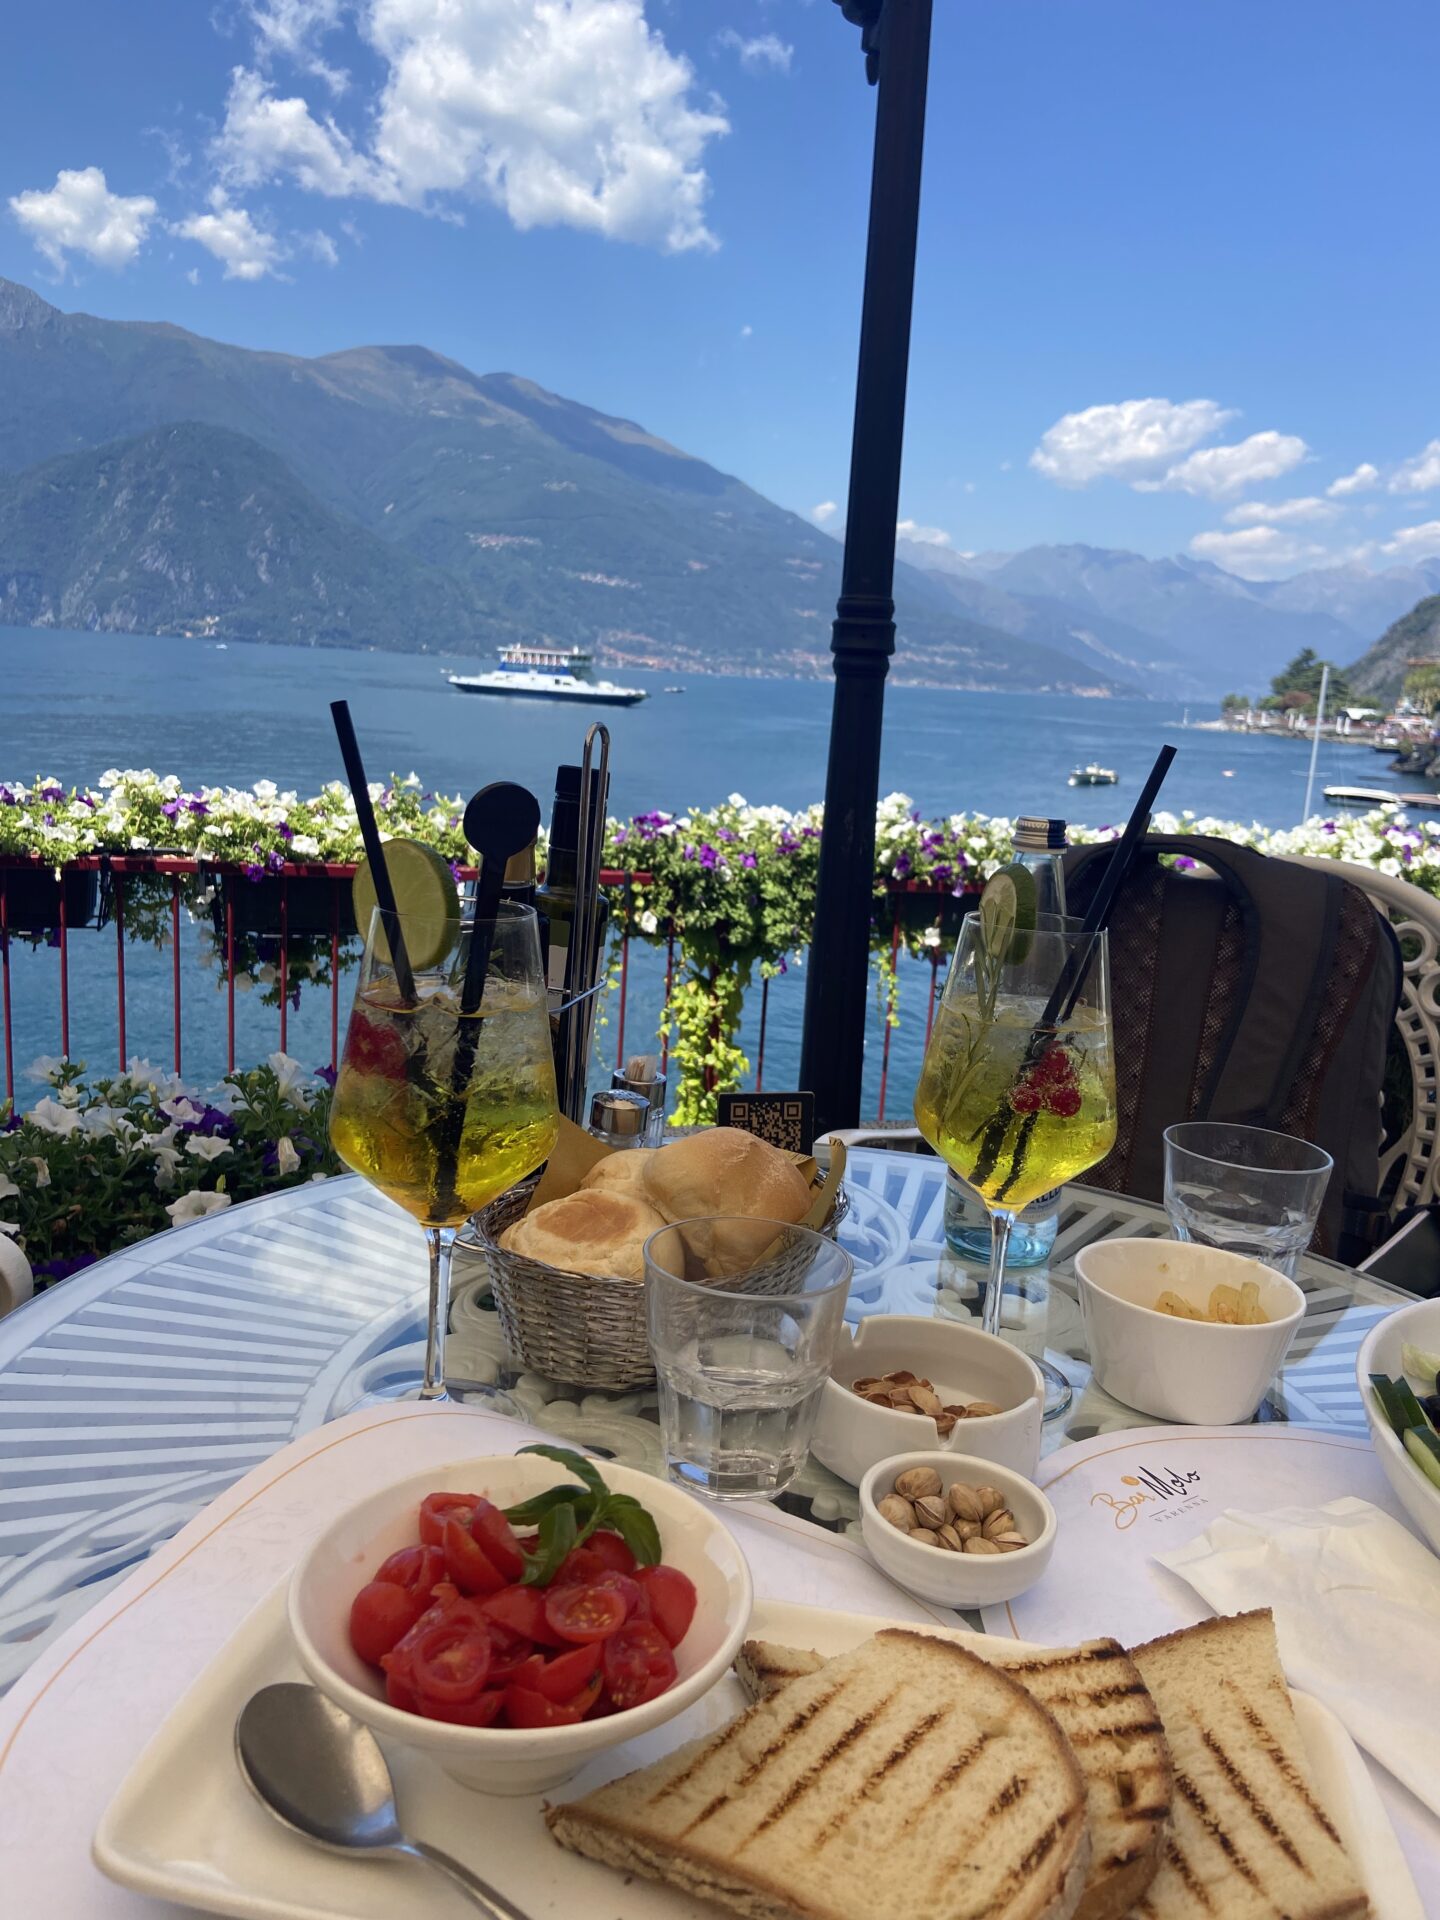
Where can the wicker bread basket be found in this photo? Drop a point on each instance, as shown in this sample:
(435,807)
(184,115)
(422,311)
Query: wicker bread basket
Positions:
(584,1329)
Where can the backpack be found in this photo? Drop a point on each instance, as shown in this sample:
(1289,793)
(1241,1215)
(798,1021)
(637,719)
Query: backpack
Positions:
(1251,991)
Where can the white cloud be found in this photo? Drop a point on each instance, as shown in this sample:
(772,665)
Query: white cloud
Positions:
(576,115)
(1259,553)
(1360,481)
(245,251)
(1420,474)
(80,214)
(322,246)
(826,511)
(192,274)
(293,29)
(765,50)
(1216,471)
(746,332)
(1134,440)
(1281,513)
(923,536)
(1414,543)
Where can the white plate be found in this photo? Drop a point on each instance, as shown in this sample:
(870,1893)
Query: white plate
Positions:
(184,1827)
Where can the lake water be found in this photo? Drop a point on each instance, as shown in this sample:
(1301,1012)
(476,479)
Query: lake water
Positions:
(72,705)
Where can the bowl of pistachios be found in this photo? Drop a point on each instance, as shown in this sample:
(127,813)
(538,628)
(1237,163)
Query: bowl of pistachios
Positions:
(955,1528)
(901,1381)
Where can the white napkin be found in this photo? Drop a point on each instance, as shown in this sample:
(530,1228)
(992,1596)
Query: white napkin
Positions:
(1356,1600)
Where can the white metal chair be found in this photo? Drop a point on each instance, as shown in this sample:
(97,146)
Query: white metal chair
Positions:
(1415,916)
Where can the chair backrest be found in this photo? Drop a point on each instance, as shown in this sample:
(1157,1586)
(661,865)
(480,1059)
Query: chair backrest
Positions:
(1251,990)
(1409,1161)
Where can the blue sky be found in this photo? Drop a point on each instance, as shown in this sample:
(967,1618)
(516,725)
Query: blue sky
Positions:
(1178,277)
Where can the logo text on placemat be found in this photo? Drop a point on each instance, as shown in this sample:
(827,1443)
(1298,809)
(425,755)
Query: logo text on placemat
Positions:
(1168,1490)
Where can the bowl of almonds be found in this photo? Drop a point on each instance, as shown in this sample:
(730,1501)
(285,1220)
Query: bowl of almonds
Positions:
(955,1528)
(901,1381)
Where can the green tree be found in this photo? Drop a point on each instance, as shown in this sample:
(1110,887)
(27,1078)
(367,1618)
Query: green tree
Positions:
(1235,703)
(1422,686)
(1303,676)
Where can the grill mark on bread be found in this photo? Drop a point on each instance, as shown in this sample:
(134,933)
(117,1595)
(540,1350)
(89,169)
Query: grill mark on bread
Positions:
(1241,1787)
(811,1776)
(795,1725)
(900,1752)
(1273,1752)
(1029,1863)
(1092,1696)
(947,1779)
(1088,1738)
(1215,1827)
(1010,1795)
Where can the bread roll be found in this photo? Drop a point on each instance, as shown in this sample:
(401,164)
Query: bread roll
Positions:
(620,1172)
(726,1171)
(588,1231)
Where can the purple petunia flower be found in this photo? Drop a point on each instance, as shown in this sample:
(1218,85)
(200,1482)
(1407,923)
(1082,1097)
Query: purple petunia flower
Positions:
(327,1074)
(709,858)
(170,809)
(254,872)
(1184,863)
(285,830)
(62,1269)
(902,867)
(748,860)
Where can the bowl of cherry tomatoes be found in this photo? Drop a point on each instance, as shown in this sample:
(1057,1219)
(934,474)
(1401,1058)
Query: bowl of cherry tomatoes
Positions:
(515,1615)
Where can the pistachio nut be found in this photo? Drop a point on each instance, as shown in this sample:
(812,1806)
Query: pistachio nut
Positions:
(919,1483)
(897,1511)
(981,1545)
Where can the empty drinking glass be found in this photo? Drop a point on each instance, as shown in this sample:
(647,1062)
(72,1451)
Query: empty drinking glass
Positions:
(1244,1189)
(743,1319)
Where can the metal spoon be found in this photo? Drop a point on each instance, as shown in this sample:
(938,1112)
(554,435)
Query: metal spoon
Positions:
(322,1774)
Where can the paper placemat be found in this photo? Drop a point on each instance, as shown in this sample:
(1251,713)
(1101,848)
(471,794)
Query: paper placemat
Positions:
(73,1725)
(1122,1498)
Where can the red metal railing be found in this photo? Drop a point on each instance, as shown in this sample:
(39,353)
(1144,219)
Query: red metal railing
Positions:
(115,873)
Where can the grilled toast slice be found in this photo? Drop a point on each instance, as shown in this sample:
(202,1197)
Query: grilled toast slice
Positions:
(1101,1704)
(905,1775)
(1248,1837)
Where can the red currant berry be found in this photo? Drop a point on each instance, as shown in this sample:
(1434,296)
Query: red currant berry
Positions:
(1064,1101)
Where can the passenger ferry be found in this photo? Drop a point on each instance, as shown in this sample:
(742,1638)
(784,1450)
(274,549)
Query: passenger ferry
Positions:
(531,684)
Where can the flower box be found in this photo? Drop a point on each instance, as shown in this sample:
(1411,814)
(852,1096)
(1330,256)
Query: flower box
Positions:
(313,900)
(33,897)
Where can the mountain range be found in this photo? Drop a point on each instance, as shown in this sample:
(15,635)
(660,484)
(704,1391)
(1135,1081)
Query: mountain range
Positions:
(385,496)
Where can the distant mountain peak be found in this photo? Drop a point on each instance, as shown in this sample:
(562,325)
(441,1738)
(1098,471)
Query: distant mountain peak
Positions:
(21,308)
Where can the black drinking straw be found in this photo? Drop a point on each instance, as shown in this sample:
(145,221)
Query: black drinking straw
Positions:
(374,847)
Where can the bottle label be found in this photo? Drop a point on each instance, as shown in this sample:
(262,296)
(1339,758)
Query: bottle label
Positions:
(559,954)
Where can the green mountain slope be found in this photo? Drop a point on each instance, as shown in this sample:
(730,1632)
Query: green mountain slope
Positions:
(551,519)
(193,529)
(1414,637)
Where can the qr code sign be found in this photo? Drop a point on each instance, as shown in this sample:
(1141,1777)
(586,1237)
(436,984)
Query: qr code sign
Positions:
(785,1120)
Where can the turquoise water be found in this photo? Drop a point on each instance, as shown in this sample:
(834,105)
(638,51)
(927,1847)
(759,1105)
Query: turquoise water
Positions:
(72,705)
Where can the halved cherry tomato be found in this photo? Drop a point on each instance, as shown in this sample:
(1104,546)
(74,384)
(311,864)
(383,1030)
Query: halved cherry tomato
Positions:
(380,1617)
(522,1611)
(629,1590)
(524,1708)
(638,1664)
(417,1569)
(510,1652)
(451,1662)
(437,1508)
(583,1701)
(467,1562)
(672,1597)
(482,1711)
(567,1674)
(585,1613)
(580,1566)
(398,1690)
(612,1550)
(497,1537)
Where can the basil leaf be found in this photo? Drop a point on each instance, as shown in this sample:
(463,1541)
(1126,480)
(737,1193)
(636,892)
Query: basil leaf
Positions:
(635,1527)
(557,1537)
(528,1511)
(575,1463)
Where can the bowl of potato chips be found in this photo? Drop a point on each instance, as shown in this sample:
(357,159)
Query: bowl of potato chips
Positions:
(1184,1332)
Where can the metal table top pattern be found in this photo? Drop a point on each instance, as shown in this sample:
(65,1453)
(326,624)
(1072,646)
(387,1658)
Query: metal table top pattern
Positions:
(133,1393)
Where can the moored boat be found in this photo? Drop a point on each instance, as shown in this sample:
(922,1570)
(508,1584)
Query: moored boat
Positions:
(1094,776)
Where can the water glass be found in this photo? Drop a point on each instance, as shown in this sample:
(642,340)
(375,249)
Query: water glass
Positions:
(1244,1189)
(743,1318)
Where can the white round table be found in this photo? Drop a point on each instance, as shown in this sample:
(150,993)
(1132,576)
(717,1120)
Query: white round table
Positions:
(134,1392)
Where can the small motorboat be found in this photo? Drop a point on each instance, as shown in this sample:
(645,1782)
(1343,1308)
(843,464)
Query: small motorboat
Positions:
(1094,776)
(672,689)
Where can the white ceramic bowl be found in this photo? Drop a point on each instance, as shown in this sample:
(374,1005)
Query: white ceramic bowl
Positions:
(1420,1327)
(958,1579)
(1196,1373)
(963,1363)
(505,1759)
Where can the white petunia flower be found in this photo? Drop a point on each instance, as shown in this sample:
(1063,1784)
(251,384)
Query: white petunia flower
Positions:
(243,983)
(42,1172)
(182,1110)
(8,1188)
(286,1155)
(195,1206)
(290,1073)
(305,847)
(46,1067)
(51,1117)
(648,923)
(265,789)
(206,1146)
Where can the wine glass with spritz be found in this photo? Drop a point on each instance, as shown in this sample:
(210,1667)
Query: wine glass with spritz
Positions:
(1017,1091)
(444,1110)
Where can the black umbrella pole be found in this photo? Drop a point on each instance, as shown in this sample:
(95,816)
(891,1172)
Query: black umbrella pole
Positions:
(837,990)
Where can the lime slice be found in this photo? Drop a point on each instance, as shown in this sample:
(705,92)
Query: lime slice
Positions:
(426,898)
(1007,914)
